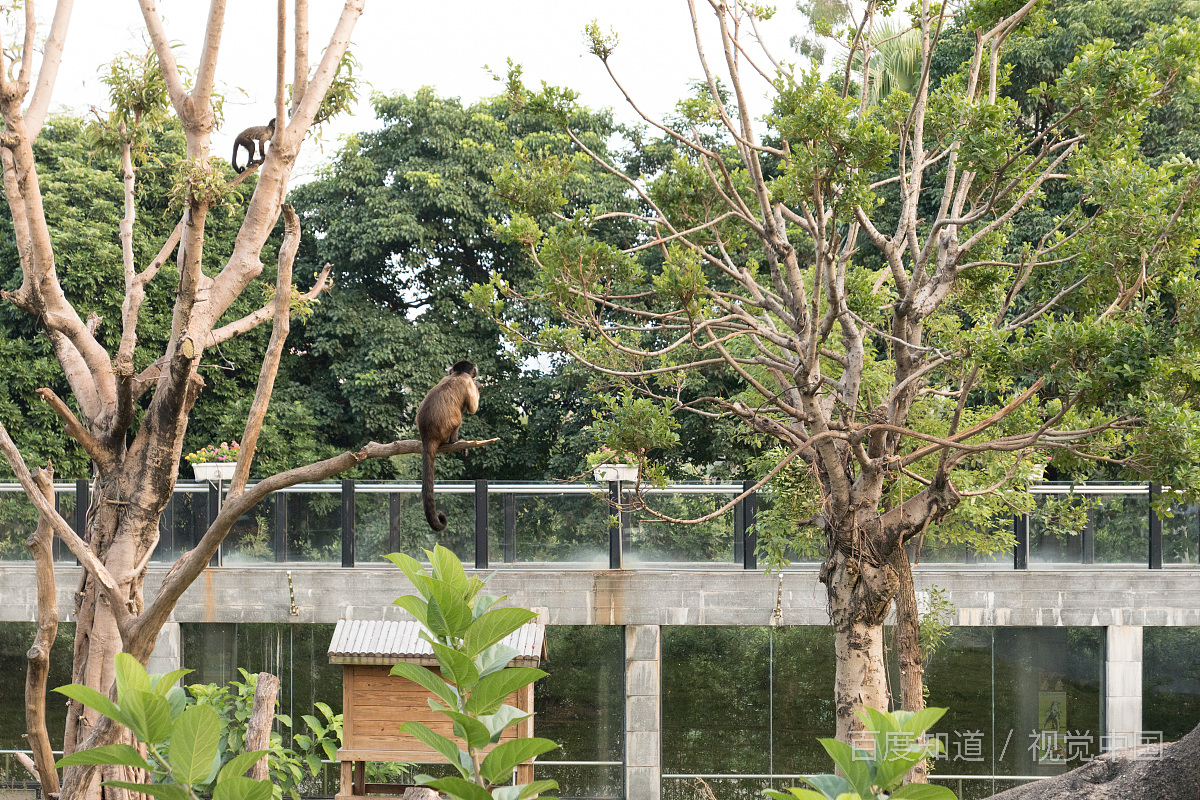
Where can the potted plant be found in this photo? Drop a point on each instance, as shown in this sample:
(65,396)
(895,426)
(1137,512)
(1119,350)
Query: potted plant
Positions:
(214,462)
(605,471)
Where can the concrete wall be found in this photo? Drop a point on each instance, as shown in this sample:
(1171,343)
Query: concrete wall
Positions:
(643,712)
(1079,596)
(1122,686)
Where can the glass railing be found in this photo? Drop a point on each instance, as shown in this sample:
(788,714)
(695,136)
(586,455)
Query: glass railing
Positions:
(595,526)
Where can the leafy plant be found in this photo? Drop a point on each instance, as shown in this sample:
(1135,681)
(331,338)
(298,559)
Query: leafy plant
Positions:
(286,766)
(877,775)
(465,632)
(183,753)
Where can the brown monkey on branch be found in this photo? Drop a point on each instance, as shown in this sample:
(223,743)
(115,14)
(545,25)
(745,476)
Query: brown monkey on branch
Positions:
(256,136)
(438,419)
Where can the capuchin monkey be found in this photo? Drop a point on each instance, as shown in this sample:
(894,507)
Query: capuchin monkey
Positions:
(257,136)
(438,420)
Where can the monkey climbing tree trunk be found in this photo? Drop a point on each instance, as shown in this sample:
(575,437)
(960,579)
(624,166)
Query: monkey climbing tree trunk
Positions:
(909,653)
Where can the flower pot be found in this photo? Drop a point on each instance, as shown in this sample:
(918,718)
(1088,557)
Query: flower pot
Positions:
(214,470)
(626,473)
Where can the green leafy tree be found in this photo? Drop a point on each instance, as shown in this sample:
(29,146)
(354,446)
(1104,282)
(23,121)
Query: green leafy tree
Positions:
(466,630)
(852,267)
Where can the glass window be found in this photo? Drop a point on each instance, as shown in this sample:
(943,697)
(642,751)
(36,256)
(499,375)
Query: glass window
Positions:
(1170,681)
(15,639)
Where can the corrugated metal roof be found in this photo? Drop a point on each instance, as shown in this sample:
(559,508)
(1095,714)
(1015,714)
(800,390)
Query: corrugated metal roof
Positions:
(366,641)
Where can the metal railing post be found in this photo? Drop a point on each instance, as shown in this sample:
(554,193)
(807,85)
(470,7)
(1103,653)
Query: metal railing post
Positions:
(1021,548)
(481,524)
(510,529)
(614,525)
(1156,555)
(750,515)
(348,522)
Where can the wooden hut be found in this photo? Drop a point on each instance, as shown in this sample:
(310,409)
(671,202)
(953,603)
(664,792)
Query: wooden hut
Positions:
(375,703)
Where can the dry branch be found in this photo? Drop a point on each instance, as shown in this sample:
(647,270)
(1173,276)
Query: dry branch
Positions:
(37,670)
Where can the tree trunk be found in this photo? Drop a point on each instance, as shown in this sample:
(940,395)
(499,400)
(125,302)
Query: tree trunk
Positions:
(41,545)
(859,597)
(908,648)
(262,716)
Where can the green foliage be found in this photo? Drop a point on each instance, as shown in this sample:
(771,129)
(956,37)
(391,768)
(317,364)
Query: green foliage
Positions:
(465,629)
(287,766)
(877,774)
(183,742)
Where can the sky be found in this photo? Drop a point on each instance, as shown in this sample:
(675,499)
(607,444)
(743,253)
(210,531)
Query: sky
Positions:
(403,46)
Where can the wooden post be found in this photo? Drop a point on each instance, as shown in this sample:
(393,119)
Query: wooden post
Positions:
(360,778)
(346,785)
(262,718)
(525,731)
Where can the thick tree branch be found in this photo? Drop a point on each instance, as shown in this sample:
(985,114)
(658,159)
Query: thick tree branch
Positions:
(41,545)
(35,114)
(270,365)
(145,628)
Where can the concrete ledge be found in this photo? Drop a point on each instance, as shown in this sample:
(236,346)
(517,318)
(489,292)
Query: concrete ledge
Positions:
(1080,596)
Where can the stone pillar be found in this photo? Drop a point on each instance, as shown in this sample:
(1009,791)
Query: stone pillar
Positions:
(167,653)
(1122,687)
(643,712)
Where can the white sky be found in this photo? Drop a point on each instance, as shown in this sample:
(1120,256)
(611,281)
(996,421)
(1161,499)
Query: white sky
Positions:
(402,46)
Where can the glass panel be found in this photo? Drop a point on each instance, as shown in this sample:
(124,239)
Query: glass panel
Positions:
(297,654)
(1048,542)
(1170,681)
(716,700)
(557,528)
(1122,528)
(581,705)
(314,526)
(375,516)
(803,711)
(959,677)
(251,540)
(64,501)
(1181,535)
(18,519)
(652,539)
(15,639)
(721,788)
(1047,695)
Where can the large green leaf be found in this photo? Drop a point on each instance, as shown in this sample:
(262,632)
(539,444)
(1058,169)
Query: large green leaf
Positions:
(498,765)
(92,699)
(424,677)
(448,568)
(830,785)
(456,667)
(855,764)
(195,738)
(415,606)
(239,788)
(412,570)
(469,729)
(923,720)
(505,716)
(923,791)
(495,658)
(164,791)
(240,764)
(536,787)
(494,626)
(795,792)
(459,788)
(164,683)
(130,675)
(449,614)
(485,601)
(148,715)
(122,754)
(447,748)
(491,692)
(177,701)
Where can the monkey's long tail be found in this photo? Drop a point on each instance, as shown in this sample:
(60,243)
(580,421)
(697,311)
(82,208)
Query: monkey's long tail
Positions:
(435,518)
(233,159)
